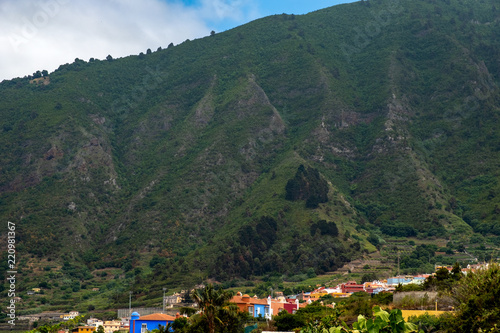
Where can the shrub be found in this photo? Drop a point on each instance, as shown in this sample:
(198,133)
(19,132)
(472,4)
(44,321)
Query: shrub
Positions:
(427,323)
(287,322)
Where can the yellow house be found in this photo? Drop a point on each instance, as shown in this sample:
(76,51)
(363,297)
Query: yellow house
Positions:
(37,290)
(83,329)
(111,326)
(319,294)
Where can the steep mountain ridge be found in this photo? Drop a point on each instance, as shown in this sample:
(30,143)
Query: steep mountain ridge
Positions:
(183,155)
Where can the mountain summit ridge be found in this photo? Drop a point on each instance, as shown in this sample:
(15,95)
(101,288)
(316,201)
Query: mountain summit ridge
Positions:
(178,161)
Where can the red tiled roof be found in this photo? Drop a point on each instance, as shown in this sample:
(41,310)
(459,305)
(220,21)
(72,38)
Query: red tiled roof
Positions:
(158,317)
(259,301)
(250,301)
(237,299)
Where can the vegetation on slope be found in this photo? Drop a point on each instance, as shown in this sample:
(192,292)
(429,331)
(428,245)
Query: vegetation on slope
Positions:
(172,167)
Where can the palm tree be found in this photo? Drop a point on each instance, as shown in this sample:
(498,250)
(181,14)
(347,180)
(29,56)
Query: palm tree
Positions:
(233,319)
(209,301)
(162,329)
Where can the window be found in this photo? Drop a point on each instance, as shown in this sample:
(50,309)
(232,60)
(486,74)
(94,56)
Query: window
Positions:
(144,328)
(250,310)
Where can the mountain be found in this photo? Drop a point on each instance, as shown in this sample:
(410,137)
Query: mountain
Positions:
(288,144)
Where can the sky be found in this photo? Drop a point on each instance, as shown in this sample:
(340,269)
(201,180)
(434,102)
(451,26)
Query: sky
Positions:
(43,34)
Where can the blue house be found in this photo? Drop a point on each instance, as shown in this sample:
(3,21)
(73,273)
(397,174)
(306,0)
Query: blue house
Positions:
(150,322)
(394,281)
(261,310)
(254,306)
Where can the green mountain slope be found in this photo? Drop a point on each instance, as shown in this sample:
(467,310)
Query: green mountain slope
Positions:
(177,162)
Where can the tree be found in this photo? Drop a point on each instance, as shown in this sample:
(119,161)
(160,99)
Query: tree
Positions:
(100,329)
(163,329)
(442,274)
(373,238)
(307,185)
(188,311)
(210,301)
(326,228)
(109,57)
(70,324)
(148,51)
(179,323)
(456,272)
(45,72)
(368,277)
(477,300)
(212,33)
(232,319)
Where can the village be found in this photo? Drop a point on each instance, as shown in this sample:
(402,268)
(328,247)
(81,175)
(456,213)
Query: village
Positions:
(142,320)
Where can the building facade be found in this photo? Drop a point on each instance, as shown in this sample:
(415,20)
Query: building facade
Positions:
(150,322)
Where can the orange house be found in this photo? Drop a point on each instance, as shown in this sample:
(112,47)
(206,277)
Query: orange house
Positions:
(253,305)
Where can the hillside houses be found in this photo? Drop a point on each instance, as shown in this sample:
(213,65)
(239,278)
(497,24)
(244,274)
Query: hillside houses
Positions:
(94,322)
(70,315)
(173,299)
(264,308)
(268,307)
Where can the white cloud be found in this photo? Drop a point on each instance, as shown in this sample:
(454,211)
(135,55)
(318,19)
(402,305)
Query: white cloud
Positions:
(235,10)
(43,34)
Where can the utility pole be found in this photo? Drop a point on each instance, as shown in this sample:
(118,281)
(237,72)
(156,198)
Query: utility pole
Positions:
(398,262)
(130,303)
(164,290)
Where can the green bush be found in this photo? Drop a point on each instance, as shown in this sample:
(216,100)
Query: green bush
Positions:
(285,321)
(383,298)
(427,323)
